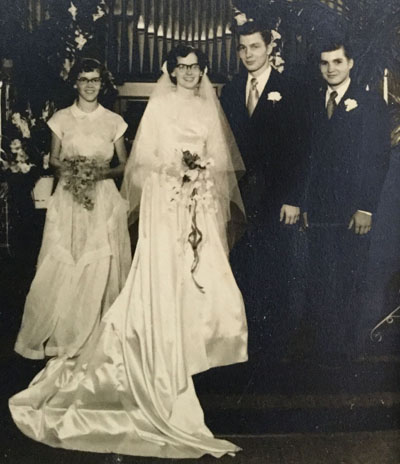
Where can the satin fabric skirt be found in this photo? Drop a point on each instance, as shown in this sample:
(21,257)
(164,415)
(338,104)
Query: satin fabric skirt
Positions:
(83,264)
(130,391)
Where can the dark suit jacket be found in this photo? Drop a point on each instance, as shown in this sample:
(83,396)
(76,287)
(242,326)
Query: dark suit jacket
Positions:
(272,142)
(349,156)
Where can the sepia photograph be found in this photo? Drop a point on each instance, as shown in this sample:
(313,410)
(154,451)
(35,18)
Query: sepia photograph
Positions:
(200,231)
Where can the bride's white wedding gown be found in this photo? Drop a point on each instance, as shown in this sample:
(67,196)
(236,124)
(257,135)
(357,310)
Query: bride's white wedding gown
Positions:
(130,390)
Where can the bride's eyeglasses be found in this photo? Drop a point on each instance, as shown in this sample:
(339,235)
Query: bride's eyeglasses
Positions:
(84,80)
(188,67)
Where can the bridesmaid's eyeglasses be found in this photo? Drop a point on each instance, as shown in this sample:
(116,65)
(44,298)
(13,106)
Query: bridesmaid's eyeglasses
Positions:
(84,80)
(188,67)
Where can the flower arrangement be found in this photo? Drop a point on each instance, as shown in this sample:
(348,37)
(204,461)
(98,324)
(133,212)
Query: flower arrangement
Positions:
(16,160)
(80,175)
(194,189)
(25,144)
(86,16)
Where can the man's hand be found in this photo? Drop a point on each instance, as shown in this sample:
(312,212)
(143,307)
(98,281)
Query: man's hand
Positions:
(362,223)
(289,214)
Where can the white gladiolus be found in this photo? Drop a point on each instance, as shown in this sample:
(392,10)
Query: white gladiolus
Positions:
(99,14)
(73,10)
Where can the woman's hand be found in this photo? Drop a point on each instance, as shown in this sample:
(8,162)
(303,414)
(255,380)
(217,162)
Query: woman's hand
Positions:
(102,173)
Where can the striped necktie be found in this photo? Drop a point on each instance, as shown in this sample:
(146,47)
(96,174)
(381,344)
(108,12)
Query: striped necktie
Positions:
(253,96)
(331,105)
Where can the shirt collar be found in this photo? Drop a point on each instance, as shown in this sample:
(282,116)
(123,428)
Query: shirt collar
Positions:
(341,90)
(78,113)
(262,79)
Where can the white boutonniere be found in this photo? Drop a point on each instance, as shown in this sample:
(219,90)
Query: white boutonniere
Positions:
(274,97)
(350,104)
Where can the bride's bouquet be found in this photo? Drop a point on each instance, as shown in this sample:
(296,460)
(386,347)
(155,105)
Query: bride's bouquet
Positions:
(80,175)
(195,174)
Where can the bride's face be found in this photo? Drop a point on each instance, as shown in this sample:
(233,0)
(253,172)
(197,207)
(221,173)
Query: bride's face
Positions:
(187,72)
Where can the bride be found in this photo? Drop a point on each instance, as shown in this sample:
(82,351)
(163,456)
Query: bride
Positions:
(130,390)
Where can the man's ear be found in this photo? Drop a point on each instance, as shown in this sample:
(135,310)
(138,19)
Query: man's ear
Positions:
(351,63)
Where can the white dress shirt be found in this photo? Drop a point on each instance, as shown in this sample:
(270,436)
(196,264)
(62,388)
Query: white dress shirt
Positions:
(262,80)
(341,90)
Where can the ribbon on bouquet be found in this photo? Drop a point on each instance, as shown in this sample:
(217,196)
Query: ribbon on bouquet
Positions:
(194,238)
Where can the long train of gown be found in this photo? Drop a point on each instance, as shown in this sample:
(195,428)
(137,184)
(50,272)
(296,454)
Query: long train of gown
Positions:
(130,391)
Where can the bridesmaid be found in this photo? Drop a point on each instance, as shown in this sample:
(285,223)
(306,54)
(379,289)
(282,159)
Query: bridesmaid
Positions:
(85,254)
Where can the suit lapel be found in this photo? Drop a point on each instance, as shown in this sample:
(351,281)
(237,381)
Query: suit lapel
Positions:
(341,108)
(242,91)
(272,85)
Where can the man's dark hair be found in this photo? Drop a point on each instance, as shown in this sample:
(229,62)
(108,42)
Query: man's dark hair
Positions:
(251,27)
(183,51)
(331,45)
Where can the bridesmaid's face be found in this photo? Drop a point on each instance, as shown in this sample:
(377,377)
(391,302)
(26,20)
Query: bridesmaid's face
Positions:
(88,85)
(187,72)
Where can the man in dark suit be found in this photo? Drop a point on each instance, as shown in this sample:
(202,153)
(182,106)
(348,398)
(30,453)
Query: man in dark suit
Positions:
(265,117)
(349,155)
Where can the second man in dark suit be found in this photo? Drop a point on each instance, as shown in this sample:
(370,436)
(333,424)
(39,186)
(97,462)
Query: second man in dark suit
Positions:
(349,157)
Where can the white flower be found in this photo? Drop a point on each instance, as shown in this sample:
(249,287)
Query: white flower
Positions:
(21,156)
(46,111)
(274,96)
(73,10)
(100,13)
(193,174)
(21,124)
(350,104)
(15,145)
(80,39)
(275,35)
(46,161)
(278,62)
(4,164)
(67,65)
(241,19)
(25,167)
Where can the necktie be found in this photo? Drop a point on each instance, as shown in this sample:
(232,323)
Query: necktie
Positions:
(253,96)
(331,106)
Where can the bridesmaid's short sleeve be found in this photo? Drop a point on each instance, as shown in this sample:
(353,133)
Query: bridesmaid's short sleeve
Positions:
(121,127)
(55,124)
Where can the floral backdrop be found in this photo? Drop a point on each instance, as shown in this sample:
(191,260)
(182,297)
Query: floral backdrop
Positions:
(36,62)
(34,84)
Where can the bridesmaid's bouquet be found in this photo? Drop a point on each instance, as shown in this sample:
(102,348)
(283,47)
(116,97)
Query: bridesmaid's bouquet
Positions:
(80,175)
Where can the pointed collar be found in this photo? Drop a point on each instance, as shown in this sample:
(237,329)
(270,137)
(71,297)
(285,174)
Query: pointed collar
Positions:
(79,114)
(262,80)
(341,91)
